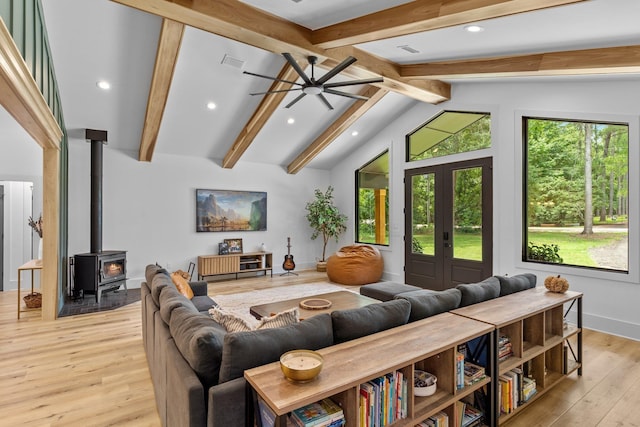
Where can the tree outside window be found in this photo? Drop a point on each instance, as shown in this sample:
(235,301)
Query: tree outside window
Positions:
(372,204)
(576,193)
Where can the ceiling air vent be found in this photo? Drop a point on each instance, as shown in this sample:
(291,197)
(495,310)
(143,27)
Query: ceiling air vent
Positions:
(408,48)
(233,62)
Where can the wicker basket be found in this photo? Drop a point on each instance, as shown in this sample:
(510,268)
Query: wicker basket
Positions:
(33,300)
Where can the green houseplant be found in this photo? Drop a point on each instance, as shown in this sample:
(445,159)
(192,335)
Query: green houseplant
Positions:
(325,219)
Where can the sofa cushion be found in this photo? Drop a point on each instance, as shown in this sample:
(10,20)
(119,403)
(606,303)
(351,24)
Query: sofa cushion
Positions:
(150,271)
(202,303)
(473,293)
(170,299)
(159,281)
(199,339)
(367,320)
(182,285)
(517,283)
(245,350)
(425,303)
(385,291)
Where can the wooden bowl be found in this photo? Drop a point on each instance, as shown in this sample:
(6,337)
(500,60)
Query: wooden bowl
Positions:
(301,365)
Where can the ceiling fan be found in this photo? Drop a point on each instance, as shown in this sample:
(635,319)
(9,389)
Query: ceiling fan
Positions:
(311,86)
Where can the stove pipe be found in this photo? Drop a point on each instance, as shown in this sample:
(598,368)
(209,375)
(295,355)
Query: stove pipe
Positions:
(98,139)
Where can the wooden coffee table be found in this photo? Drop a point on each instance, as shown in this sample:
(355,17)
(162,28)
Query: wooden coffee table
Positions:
(340,300)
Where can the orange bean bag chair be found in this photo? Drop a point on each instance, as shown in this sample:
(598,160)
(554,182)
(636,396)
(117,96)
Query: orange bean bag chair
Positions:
(355,265)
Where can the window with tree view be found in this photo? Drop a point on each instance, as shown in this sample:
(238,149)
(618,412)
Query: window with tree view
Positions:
(450,132)
(372,181)
(576,193)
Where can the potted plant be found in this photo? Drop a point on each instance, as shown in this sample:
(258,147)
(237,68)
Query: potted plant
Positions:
(326,220)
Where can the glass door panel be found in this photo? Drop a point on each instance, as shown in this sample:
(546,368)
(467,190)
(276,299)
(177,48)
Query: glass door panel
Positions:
(467,213)
(423,214)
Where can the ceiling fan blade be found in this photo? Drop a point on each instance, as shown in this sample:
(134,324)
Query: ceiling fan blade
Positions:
(302,95)
(347,94)
(296,67)
(355,82)
(321,96)
(275,91)
(271,78)
(337,69)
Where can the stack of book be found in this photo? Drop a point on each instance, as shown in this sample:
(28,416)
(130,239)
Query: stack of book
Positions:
(468,415)
(515,389)
(473,373)
(384,400)
(438,420)
(325,413)
(504,348)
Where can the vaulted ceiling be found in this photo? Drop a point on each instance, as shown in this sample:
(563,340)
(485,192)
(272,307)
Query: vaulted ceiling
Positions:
(166,59)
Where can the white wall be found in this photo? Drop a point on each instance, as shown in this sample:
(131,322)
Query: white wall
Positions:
(149,208)
(610,301)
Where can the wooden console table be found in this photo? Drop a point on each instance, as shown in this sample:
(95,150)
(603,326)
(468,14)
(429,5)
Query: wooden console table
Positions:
(534,321)
(429,344)
(33,265)
(213,265)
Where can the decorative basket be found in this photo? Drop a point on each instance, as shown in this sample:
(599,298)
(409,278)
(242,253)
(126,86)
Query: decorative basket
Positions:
(33,300)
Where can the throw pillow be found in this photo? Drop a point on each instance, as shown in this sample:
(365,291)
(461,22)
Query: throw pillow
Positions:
(230,321)
(182,285)
(234,323)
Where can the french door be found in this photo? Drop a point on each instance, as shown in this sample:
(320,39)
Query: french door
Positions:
(448,224)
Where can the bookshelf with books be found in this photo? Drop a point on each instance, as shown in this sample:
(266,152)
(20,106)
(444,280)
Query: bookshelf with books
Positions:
(381,388)
(535,348)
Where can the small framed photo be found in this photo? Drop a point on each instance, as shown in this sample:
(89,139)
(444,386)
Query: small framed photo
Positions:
(223,248)
(234,245)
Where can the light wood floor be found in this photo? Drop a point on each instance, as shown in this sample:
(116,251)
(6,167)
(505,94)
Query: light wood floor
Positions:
(90,370)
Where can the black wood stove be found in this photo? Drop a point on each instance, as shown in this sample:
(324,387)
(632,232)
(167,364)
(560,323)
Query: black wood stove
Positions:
(98,270)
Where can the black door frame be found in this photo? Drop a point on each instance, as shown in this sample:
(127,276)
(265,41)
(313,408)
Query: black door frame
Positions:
(441,270)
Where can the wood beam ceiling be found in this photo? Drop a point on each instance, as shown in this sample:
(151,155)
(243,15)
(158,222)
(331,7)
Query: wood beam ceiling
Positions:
(265,110)
(422,15)
(238,21)
(625,59)
(166,58)
(21,96)
(353,113)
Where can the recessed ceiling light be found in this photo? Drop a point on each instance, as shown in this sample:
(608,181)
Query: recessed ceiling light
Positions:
(211,105)
(103,84)
(354,133)
(474,28)
(291,120)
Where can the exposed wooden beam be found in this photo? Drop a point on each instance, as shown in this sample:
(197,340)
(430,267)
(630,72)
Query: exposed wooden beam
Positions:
(21,97)
(166,57)
(611,60)
(372,66)
(265,110)
(353,113)
(422,15)
(238,21)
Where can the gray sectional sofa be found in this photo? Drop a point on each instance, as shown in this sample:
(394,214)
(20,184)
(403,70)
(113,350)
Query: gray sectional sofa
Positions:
(197,366)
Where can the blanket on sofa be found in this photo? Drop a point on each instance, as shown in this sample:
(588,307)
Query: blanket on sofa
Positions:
(240,303)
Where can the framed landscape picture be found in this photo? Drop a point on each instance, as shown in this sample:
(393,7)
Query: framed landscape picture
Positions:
(231,210)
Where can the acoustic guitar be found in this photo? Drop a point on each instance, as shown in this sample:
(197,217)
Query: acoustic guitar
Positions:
(288,263)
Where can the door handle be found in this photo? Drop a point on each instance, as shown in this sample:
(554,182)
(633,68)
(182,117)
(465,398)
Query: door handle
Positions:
(445,235)
(448,245)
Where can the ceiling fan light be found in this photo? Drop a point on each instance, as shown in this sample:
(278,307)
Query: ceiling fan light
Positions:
(312,90)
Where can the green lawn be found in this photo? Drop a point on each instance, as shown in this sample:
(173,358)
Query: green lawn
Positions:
(573,246)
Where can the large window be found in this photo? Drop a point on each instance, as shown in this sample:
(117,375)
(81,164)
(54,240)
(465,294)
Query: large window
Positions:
(576,193)
(450,132)
(372,204)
